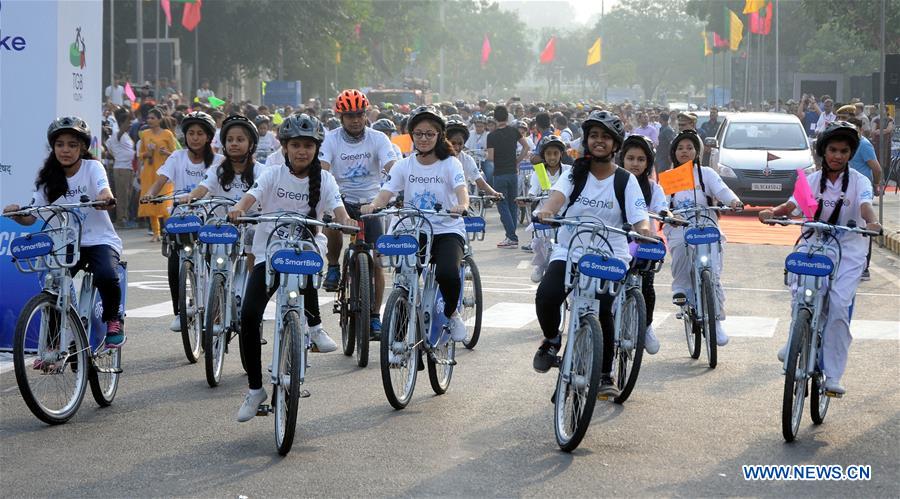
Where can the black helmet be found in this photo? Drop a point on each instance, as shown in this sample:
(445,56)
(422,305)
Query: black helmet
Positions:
(333,123)
(459,103)
(837,130)
(690,134)
(458,126)
(551,140)
(238,120)
(301,125)
(202,119)
(384,125)
(261,119)
(639,141)
(72,124)
(454,117)
(425,112)
(607,121)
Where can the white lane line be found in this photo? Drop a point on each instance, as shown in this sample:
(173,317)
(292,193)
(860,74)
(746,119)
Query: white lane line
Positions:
(150,311)
(524,264)
(135,251)
(750,326)
(875,330)
(507,316)
(667,285)
(888,276)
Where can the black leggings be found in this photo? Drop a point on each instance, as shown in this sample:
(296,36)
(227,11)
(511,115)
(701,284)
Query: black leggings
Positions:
(103,262)
(649,294)
(447,252)
(551,294)
(257,296)
(174,271)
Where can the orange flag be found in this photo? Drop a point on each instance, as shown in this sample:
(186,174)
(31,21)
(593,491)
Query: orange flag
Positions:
(404,142)
(677,179)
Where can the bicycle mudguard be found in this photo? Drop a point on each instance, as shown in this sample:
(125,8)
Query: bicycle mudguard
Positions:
(475,224)
(31,246)
(289,261)
(397,245)
(183,224)
(651,251)
(219,234)
(702,235)
(809,264)
(602,267)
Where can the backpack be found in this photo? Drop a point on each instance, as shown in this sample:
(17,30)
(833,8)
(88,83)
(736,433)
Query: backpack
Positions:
(620,183)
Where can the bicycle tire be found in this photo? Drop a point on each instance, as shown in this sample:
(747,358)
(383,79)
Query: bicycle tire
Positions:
(708,292)
(345,297)
(587,332)
(362,316)
(440,374)
(190,332)
(478,302)
(396,320)
(215,331)
(691,333)
(818,401)
(81,350)
(626,376)
(286,400)
(794,388)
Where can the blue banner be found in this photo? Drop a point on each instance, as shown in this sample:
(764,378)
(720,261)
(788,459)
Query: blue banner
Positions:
(397,245)
(806,264)
(603,267)
(25,285)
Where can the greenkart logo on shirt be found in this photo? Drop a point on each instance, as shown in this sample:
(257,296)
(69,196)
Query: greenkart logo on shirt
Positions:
(294,196)
(595,203)
(424,180)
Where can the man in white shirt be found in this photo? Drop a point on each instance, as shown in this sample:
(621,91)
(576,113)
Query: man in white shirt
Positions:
(115,93)
(827,115)
(204,92)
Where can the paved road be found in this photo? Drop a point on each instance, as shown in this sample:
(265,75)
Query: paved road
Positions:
(686,431)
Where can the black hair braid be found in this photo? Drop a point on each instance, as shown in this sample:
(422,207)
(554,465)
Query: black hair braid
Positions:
(52,177)
(315,185)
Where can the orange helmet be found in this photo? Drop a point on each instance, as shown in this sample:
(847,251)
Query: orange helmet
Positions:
(351,101)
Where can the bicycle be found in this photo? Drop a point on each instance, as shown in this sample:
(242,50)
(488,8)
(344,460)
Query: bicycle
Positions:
(478,203)
(413,315)
(355,295)
(62,330)
(814,264)
(701,233)
(597,271)
(524,182)
(472,296)
(293,258)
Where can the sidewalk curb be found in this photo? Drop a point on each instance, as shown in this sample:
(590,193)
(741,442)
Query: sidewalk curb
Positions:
(892,241)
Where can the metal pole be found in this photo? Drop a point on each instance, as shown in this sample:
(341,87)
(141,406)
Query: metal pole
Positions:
(140,40)
(777,82)
(883,141)
(156,79)
(714,99)
(441,68)
(112,46)
(197,55)
(747,69)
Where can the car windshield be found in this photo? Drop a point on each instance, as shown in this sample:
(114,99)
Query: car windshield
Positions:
(782,136)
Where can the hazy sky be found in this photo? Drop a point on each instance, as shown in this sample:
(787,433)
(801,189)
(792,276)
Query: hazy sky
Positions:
(558,12)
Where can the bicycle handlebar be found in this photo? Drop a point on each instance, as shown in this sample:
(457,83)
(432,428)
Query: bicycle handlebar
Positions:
(600,226)
(30,210)
(824,227)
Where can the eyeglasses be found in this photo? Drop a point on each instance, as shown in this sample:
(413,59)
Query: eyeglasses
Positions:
(424,135)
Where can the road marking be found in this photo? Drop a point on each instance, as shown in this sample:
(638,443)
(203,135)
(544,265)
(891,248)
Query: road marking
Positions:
(524,264)
(875,330)
(878,269)
(507,316)
(151,311)
(750,326)
(135,251)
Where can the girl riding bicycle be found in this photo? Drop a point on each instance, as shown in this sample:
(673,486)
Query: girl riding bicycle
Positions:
(185,169)
(429,177)
(458,135)
(595,174)
(708,189)
(551,150)
(637,157)
(70,172)
(843,195)
(299,186)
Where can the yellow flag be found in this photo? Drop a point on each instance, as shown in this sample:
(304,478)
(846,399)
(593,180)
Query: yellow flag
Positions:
(677,179)
(263,88)
(595,54)
(736,31)
(752,6)
(707,50)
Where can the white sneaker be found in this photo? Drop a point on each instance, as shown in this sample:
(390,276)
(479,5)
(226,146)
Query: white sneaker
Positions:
(176,324)
(782,352)
(834,385)
(651,343)
(322,343)
(537,273)
(721,337)
(251,405)
(457,328)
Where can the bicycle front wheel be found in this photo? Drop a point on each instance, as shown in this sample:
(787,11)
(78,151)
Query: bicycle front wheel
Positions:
(187,312)
(631,350)
(795,376)
(286,397)
(576,388)
(399,362)
(708,301)
(345,304)
(472,302)
(215,334)
(818,401)
(691,333)
(361,296)
(51,368)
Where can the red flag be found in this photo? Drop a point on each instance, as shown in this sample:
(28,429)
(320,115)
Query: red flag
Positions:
(549,52)
(761,25)
(719,42)
(167,10)
(771,157)
(191,17)
(485,50)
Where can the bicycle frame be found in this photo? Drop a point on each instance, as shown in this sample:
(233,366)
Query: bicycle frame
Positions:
(229,261)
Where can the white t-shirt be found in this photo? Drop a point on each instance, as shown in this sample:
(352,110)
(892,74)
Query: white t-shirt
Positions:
(216,141)
(276,158)
(535,189)
(715,187)
(657,198)
(235,190)
(96,227)
(470,169)
(267,144)
(859,192)
(598,201)
(122,149)
(116,94)
(424,186)
(184,174)
(477,145)
(279,190)
(357,167)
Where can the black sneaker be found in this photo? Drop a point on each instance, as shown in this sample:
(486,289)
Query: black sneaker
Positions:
(865,275)
(608,386)
(545,358)
(679,299)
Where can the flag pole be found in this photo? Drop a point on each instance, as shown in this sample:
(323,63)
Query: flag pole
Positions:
(156,74)
(140,40)
(714,99)
(747,68)
(777,83)
(883,141)
(112,47)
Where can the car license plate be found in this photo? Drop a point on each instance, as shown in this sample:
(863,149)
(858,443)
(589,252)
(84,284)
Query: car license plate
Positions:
(765,187)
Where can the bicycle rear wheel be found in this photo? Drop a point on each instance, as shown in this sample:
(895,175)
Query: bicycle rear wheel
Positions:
(344,302)
(472,302)
(51,370)
(361,291)
(576,390)
(795,376)
(399,363)
(629,355)
(191,328)
(708,301)
(215,331)
(286,396)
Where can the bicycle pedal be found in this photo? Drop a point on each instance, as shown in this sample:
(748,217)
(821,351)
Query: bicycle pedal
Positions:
(834,395)
(304,394)
(263,410)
